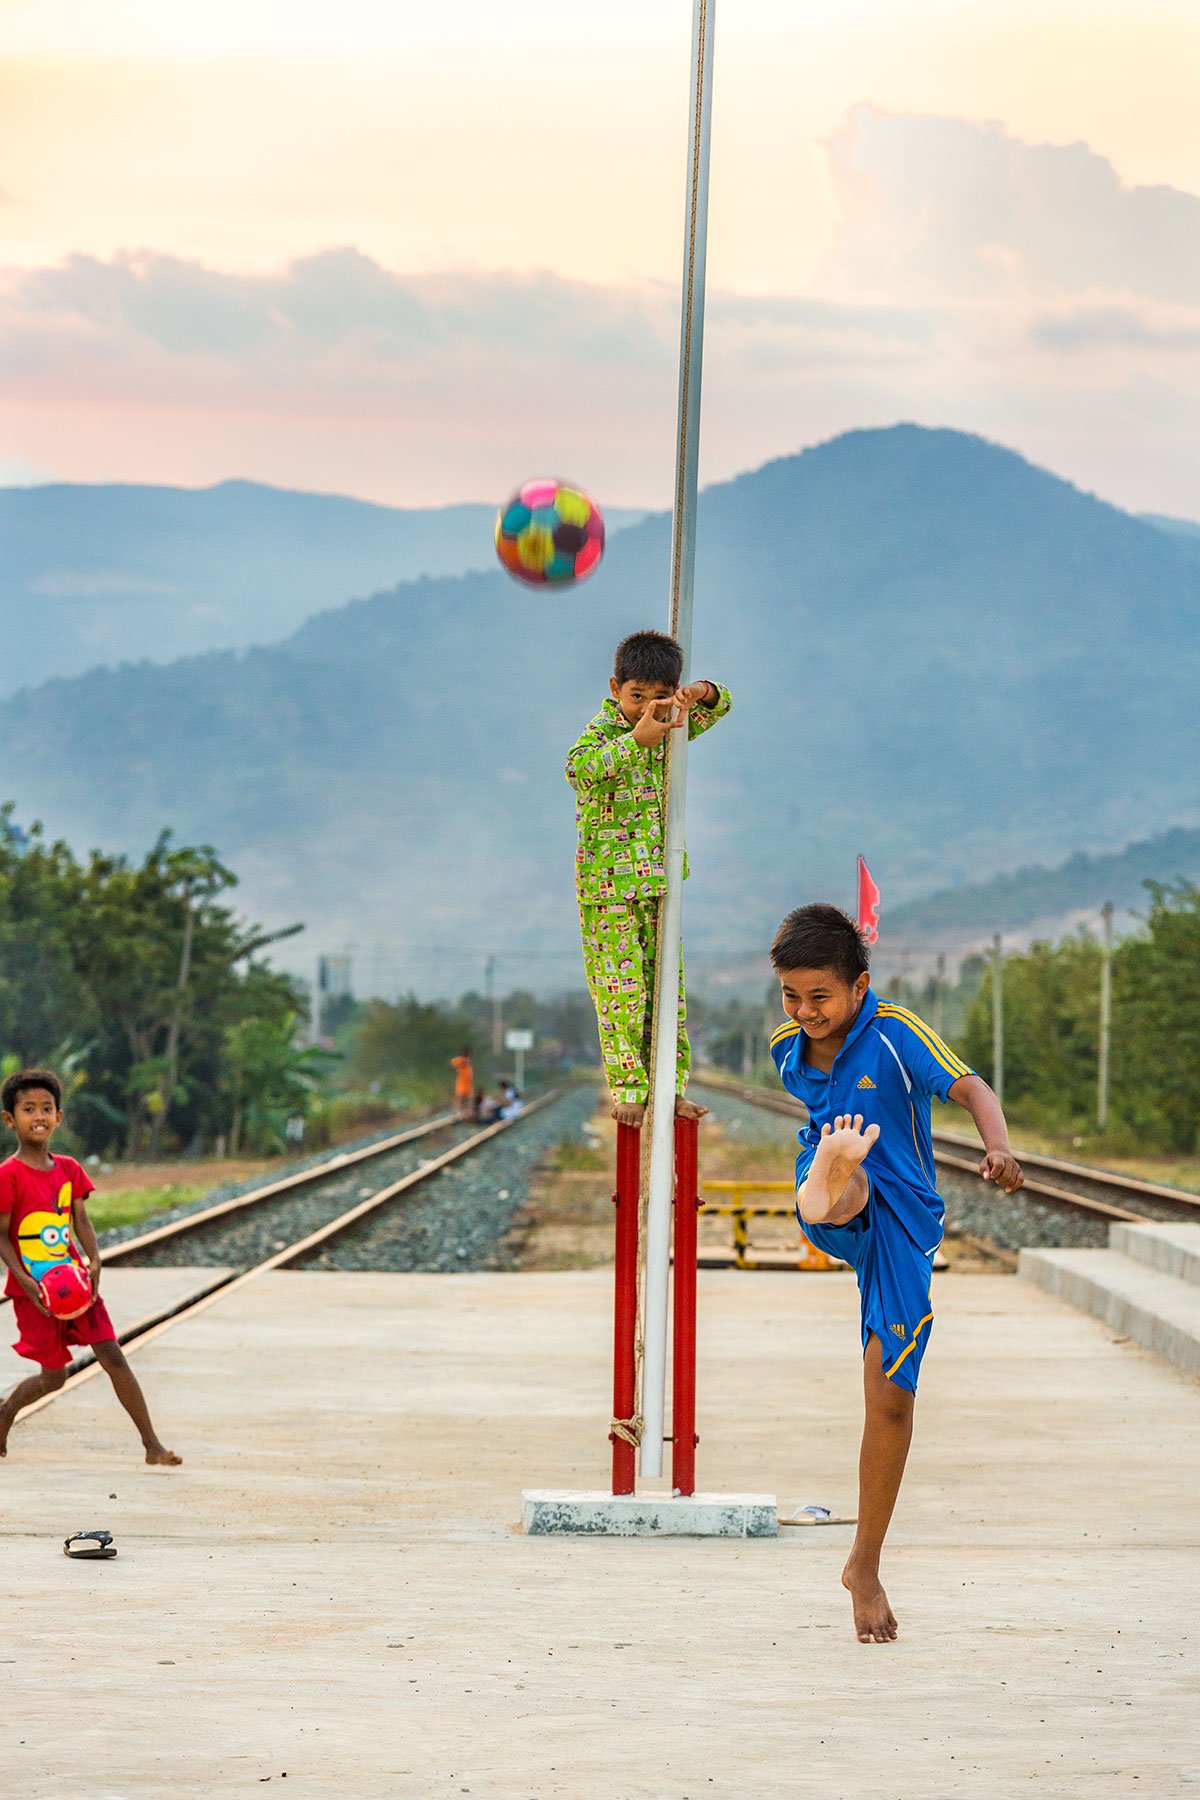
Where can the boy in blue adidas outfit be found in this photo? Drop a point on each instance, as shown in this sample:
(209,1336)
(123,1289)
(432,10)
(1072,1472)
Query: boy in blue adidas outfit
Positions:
(866,1070)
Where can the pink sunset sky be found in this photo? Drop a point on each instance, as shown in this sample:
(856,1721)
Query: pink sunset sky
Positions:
(417,252)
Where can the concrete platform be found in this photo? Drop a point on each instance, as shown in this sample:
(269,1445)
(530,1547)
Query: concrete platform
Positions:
(335,1587)
(1145,1285)
(129,1294)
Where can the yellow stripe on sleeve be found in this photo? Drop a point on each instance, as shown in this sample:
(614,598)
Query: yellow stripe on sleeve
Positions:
(953,1065)
(785,1031)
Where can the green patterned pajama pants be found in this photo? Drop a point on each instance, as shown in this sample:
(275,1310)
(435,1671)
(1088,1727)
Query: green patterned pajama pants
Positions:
(619,958)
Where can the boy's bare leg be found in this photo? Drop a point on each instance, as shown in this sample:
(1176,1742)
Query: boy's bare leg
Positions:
(887,1434)
(112,1360)
(34,1387)
(835,1189)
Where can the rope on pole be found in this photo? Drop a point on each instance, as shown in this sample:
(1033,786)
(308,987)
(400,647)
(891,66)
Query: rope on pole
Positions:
(659,1184)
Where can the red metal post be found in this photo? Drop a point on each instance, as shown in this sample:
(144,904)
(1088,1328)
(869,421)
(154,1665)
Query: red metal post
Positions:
(629,1160)
(683,1406)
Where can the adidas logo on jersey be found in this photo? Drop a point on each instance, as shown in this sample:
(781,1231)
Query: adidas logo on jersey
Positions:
(866,1082)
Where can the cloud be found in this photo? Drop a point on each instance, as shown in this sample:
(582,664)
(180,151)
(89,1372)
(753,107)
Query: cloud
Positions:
(1118,328)
(943,206)
(1012,289)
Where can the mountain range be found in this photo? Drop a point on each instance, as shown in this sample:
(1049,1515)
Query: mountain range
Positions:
(1030,897)
(940,655)
(130,574)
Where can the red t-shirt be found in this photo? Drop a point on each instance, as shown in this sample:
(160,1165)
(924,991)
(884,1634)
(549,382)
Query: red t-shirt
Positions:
(38,1204)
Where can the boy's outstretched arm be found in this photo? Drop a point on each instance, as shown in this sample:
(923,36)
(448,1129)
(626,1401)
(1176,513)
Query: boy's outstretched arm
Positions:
(999,1164)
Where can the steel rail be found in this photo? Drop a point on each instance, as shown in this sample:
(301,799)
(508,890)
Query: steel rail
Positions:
(287,1184)
(947,1144)
(153,1325)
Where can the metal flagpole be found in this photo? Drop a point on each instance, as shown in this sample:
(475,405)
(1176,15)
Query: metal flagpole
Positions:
(683,556)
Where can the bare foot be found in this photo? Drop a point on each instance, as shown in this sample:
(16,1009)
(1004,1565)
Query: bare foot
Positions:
(5,1428)
(161,1457)
(630,1115)
(874,1620)
(687,1109)
(840,1152)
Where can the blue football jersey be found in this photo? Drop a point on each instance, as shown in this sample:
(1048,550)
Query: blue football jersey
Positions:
(888,1069)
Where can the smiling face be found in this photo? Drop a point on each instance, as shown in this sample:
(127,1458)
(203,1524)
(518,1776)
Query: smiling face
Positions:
(821,1002)
(34,1118)
(633,697)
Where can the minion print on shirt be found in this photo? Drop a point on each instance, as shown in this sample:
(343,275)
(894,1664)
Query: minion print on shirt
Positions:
(44,1238)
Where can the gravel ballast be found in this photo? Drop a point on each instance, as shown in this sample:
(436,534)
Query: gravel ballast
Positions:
(457,1221)
(269,1225)
(460,1218)
(1010,1221)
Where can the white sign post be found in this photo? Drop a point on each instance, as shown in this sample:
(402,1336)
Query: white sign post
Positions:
(519,1042)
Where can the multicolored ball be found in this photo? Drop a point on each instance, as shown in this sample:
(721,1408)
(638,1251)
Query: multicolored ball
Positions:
(548,532)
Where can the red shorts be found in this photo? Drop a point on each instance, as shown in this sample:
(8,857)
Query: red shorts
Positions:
(47,1341)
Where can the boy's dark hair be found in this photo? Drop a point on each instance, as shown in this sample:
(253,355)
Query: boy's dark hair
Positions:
(649,656)
(30,1078)
(821,937)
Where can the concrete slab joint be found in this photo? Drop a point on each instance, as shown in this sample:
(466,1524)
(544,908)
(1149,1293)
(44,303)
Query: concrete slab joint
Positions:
(547,1511)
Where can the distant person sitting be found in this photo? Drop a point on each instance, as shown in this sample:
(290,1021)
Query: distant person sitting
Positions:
(464,1084)
(486,1110)
(511,1104)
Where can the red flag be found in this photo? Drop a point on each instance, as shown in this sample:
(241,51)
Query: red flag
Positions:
(868,904)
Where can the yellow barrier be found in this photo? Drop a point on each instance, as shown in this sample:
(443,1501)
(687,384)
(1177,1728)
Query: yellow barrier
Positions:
(737,1209)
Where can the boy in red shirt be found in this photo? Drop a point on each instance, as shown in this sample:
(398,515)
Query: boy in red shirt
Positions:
(43,1221)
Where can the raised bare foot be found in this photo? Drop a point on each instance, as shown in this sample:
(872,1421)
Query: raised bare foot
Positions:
(161,1457)
(840,1152)
(687,1109)
(630,1115)
(874,1620)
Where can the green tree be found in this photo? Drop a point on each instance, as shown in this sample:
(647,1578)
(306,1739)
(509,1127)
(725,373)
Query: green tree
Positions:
(1051,1031)
(137,972)
(1156,1020)
(270,1078)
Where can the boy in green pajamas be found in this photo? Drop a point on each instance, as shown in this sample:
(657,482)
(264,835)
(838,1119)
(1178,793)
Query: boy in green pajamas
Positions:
(616,769)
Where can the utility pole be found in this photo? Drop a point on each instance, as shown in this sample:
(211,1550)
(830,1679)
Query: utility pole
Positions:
(939,982)
(489,985)
(1105,1015)
(998,1018)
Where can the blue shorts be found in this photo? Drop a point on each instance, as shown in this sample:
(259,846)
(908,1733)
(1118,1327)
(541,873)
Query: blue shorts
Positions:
(893,1274)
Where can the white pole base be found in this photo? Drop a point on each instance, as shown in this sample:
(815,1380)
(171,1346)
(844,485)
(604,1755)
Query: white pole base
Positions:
(549,1511)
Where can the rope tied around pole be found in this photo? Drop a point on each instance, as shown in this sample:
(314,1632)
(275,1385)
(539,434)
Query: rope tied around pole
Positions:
(628,1430)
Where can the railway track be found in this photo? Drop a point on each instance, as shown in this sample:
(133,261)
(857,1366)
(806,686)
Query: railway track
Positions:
(298,1245)
(1100,1195)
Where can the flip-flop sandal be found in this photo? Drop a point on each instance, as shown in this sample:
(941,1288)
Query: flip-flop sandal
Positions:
(95,1546)
(814,1515)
